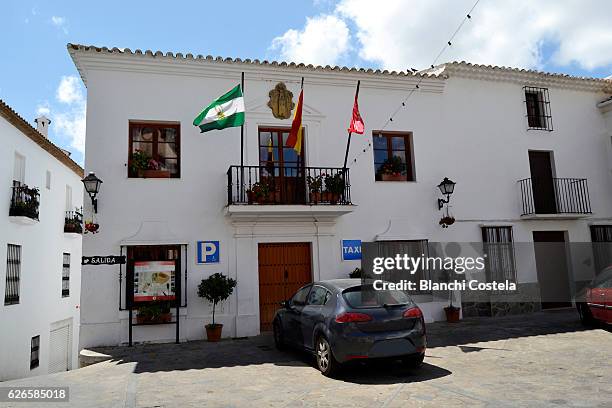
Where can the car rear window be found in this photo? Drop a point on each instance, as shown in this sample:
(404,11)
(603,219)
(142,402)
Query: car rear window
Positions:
(365,296)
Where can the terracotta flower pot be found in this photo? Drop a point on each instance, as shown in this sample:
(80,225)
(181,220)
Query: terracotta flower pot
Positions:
(452,314)
(331,198)
(154,173)
(394,177)
(250,197)
(213,332)
(315,197)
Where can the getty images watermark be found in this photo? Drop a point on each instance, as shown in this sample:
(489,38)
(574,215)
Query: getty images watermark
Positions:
(404,263)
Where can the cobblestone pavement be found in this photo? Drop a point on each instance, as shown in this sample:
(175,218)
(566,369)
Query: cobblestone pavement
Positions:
(543,359)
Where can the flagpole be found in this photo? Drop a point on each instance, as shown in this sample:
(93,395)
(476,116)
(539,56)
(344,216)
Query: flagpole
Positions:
(297,178)
(242,185)
(242,126)
(348,143)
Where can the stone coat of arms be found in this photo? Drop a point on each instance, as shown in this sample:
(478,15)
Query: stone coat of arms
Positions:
(281,101)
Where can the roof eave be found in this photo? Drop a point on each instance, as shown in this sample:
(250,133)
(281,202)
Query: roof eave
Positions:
(24,127)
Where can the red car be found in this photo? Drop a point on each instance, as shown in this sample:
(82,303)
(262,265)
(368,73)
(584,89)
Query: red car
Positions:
(598,300)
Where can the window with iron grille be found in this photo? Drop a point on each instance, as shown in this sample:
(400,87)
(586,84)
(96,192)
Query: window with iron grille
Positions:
(537,102)
(601,236)
(66,276)
(13,274)
(499,250)
(34,349)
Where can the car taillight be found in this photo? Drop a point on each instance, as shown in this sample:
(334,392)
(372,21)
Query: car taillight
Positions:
(350,317)
(413,312)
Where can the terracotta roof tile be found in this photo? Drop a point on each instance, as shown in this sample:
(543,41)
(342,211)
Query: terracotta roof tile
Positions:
(22,125)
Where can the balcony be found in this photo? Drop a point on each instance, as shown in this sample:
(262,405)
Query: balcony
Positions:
(73,222)
(292,191)
(553,198)
(24,204)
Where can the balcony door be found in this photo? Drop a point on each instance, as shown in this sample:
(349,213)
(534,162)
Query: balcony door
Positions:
(542,182)
(282,168)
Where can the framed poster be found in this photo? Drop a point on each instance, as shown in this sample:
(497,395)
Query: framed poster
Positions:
(154,280)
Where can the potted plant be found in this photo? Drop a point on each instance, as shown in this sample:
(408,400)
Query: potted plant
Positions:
(216,288)
(144,166)
(73,225)
(356,273)
(334,187)
(139,161)
(258,192)
(155,170)
(393,169)
(26,203)
(452,312)
(91,226)
(315,187)
(446,221)
(154,312)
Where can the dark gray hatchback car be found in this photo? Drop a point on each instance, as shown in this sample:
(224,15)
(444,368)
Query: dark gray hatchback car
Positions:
(343,320)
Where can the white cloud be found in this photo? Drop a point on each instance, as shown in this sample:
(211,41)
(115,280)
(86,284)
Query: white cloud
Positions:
(60,22)
(324,40)
(68,119)
(69,90)
(401,35)
(43,109)
(72,125)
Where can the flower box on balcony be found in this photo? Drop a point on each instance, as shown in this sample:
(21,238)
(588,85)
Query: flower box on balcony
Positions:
(73,228)
(24,201)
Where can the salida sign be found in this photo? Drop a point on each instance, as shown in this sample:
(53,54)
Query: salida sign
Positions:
(103,260)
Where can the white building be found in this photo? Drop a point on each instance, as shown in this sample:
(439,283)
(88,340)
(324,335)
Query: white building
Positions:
(465,122)
(40,276)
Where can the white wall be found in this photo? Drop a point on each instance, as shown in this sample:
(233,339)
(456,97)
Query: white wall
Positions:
(42,247)
(474,132)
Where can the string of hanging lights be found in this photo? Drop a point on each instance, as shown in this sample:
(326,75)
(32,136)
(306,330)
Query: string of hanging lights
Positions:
(402,105)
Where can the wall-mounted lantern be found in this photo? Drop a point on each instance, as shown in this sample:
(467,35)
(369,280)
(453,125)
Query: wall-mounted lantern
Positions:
(92,186)
(447,187)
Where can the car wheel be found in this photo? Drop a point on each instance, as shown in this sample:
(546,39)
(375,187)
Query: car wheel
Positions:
(325,360)
(279,340)
(586,317)
(414,361)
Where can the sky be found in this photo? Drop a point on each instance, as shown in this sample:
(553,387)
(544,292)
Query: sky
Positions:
(37,75)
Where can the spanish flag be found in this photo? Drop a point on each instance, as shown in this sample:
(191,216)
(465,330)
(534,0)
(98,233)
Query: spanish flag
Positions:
(295,136)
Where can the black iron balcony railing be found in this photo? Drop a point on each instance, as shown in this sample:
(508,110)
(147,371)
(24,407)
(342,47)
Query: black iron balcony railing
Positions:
(73,221)
(24,201)
(288,185)
(554,196)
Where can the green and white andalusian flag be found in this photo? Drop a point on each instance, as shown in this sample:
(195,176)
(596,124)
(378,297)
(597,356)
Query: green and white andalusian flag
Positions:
(225,111)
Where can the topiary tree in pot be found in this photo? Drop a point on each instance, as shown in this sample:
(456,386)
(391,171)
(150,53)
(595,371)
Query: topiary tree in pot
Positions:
(216,288)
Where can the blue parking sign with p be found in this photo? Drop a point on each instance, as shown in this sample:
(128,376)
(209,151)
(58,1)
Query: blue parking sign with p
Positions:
(207,252)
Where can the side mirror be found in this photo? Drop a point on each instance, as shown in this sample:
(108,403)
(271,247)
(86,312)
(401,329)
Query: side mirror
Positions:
(285,304)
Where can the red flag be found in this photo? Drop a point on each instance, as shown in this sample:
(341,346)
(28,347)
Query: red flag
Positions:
(356,125)
(295,136)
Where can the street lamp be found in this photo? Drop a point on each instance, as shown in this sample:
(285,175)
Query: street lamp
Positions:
(447,187)
(92,186)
